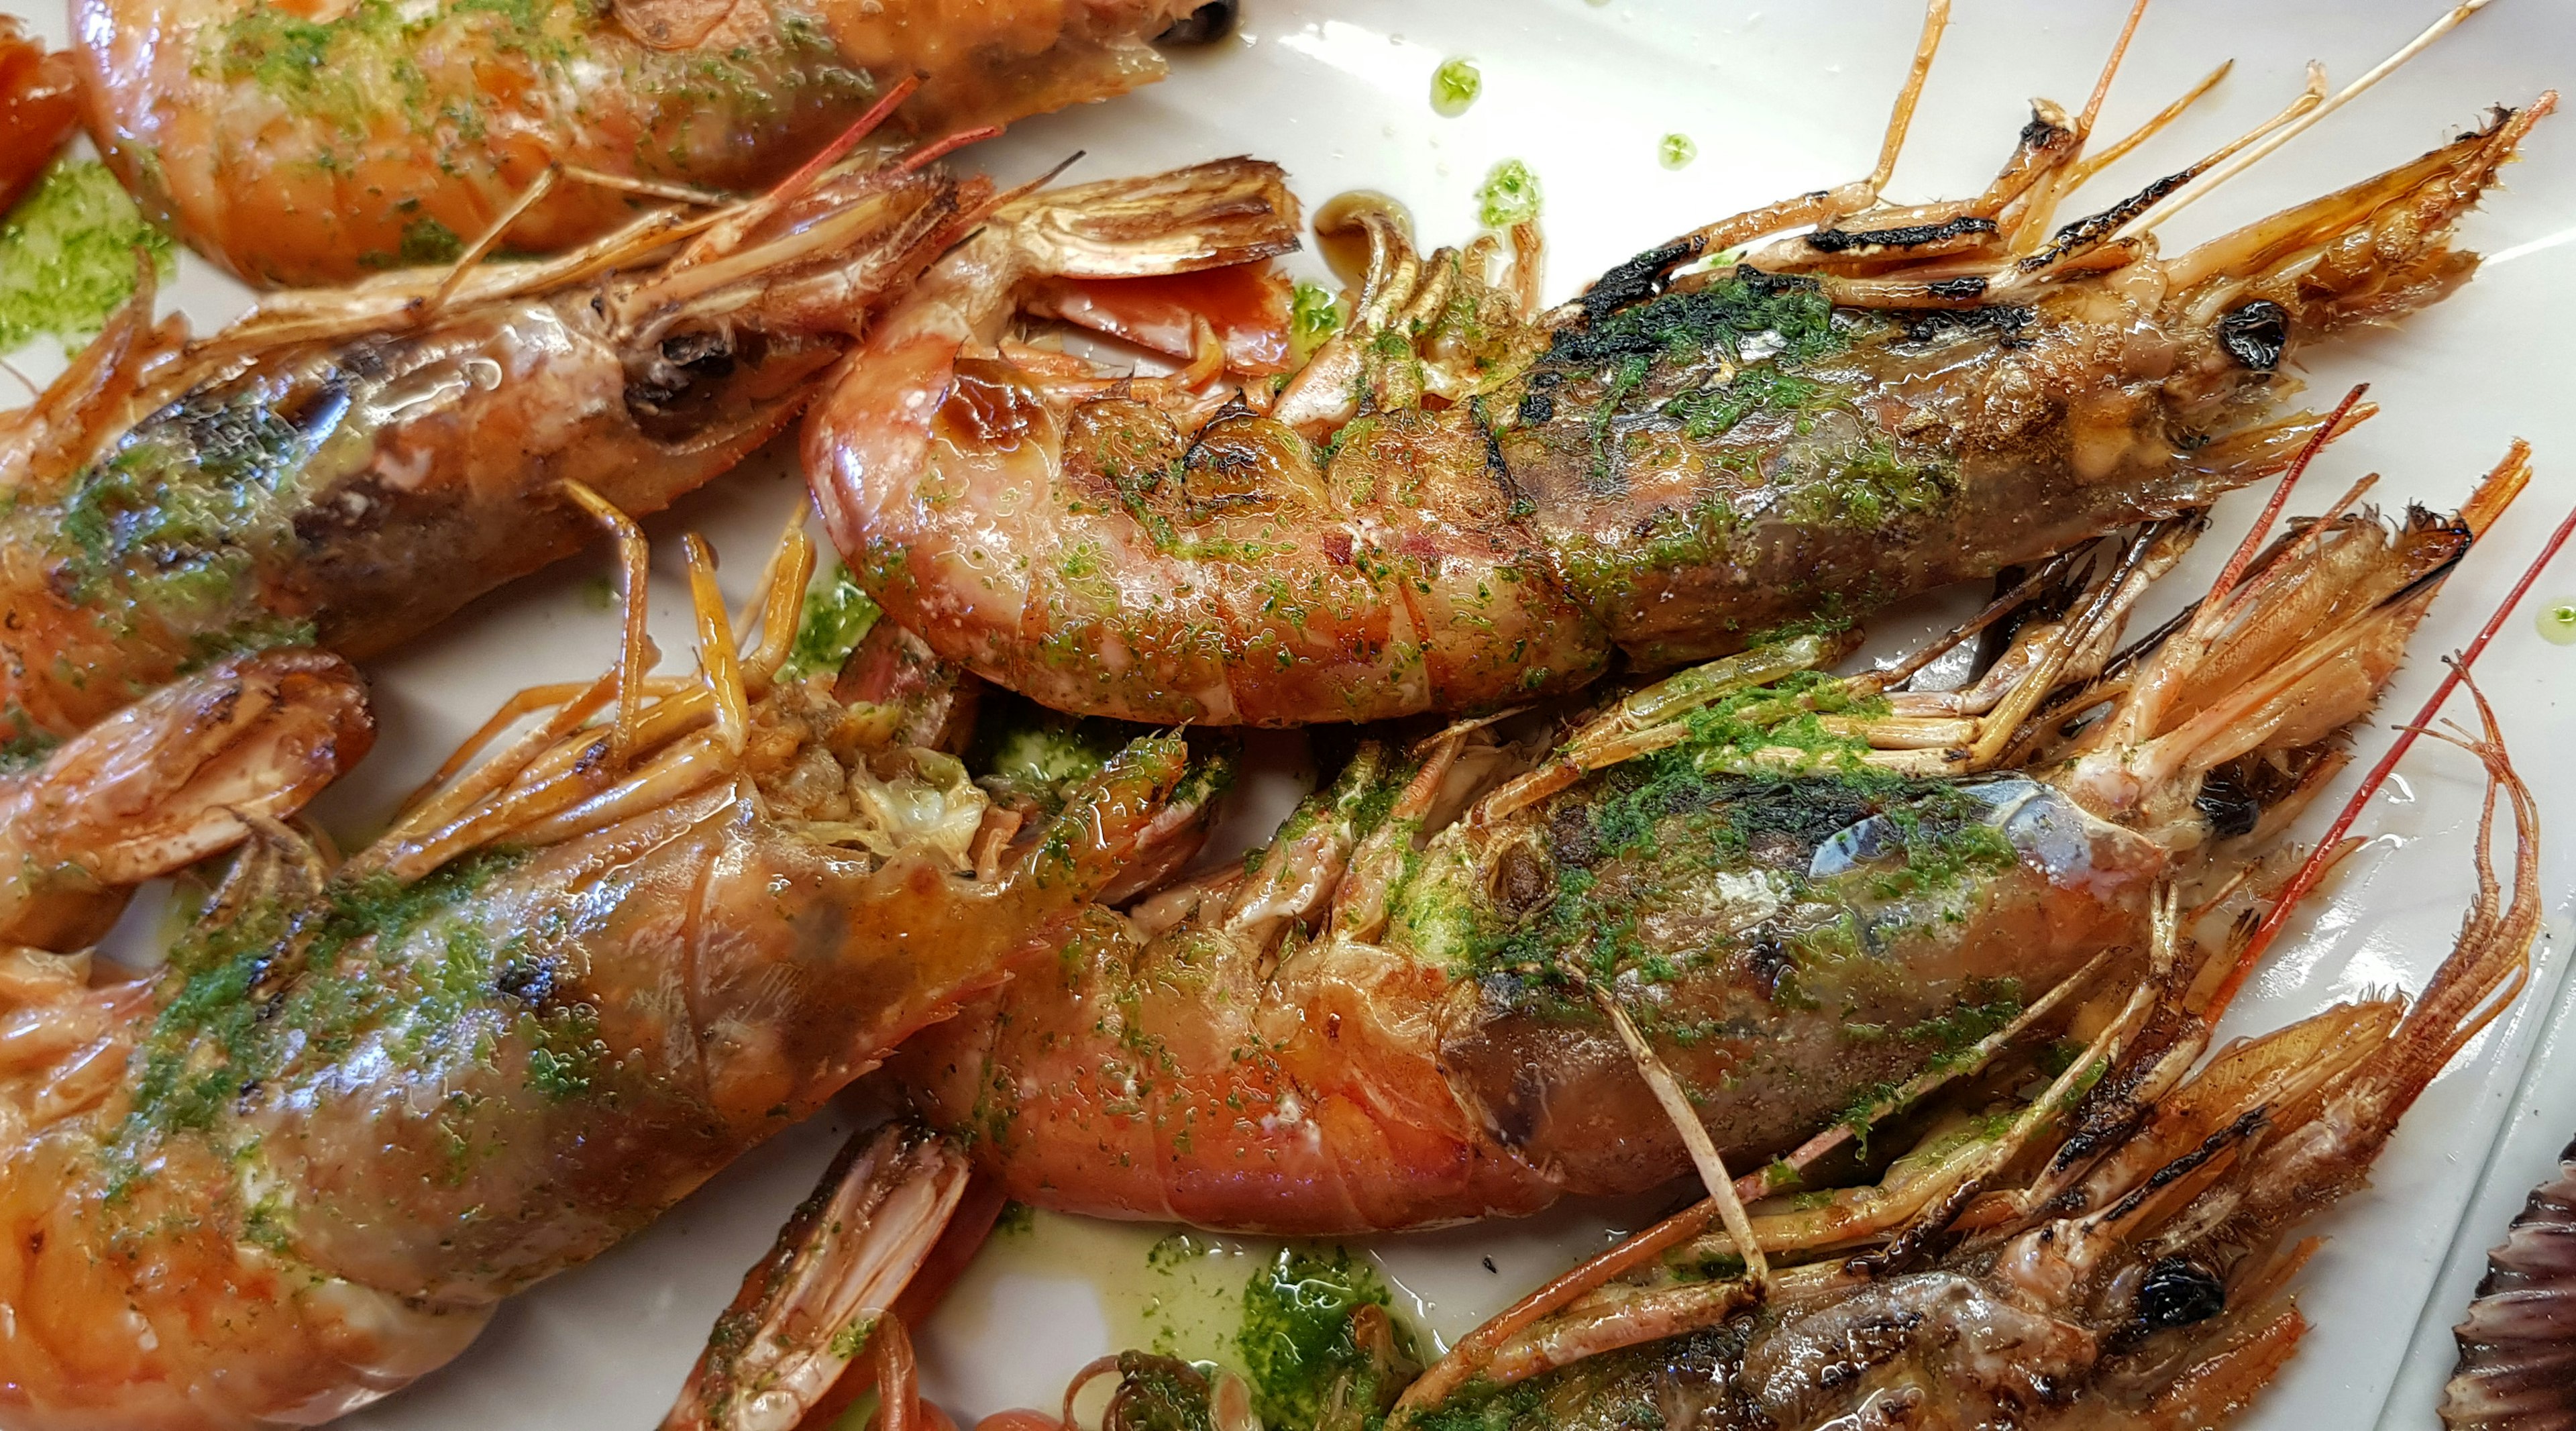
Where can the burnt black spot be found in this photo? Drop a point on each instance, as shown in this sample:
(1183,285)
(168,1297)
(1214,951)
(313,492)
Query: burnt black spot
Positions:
(2178,1292)
(1537,408)
(2093,228)
(1638,279)
(1910,236)
(2256,335)
(1570,836)
(2040,134)
(1970,286)
(2004,320)
(705,355)
(2230,808)
(1204,25)
(1522,880)
(1767,957)
(530,982)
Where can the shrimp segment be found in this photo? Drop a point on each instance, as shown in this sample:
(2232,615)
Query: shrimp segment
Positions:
(350,466)
(37,110)
(1806,926)
(309,148)
(1460,503)
(296,1169)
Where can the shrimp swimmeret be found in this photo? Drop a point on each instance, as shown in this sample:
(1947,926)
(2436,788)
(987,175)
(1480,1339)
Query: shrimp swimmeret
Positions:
(362,1105)
(313,144)
(1802,894)
(1461,503)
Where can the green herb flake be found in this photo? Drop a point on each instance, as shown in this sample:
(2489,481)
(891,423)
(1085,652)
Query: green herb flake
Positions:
(1675,151)
(1314,314)
(67,254)
(1455,85)
(1298,1342)
(1509,195)
(838,615)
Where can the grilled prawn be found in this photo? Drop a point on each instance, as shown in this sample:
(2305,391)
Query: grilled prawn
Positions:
(351,466)
(312,144)
(2110,1243)
(360,1106)
(1461,503)
(1806,897)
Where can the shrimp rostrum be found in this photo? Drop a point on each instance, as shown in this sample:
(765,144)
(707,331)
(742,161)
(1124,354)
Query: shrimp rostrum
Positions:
(1461,503)
(351,466)
(1810,898)
(2106,1242)
(362,1104)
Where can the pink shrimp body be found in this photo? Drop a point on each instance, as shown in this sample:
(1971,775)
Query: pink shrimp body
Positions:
(312,143)
(1459,504)
(348,467)
(300,1165)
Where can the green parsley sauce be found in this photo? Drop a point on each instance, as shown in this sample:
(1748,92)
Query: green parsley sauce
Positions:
(67,255)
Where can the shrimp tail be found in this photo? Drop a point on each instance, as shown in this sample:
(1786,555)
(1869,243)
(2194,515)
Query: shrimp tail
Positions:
(2375,250)
(783,1352)
(169,780)
(1212,215)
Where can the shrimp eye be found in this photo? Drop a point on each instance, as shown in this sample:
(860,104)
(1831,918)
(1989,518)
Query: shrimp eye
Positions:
(1204,25)
(2230,808)
(2179,1293)
(2256,334)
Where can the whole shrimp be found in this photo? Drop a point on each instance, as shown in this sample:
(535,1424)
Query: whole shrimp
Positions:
(351,467)
(1809,897)
(360,1106)
(1461,503)
(2112,1244)
(305,145)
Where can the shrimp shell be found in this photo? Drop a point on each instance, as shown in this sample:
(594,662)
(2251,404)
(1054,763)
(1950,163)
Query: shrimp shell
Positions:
(2517,1368)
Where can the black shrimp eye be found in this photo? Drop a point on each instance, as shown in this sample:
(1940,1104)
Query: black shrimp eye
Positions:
(2179,1293)
(1204,25)
(2230,808)
(2256,334)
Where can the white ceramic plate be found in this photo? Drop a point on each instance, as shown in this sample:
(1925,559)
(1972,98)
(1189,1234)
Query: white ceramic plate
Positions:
(1777,100)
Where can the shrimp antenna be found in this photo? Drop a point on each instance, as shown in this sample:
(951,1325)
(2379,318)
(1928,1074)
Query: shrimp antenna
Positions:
(491,235)
(2095,164)
(939,149)
(2110,68)
(723,236)
(2499,487)
(2254,154)
(1694,1134)
(1936,18)
(2214,609)
(649,188)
